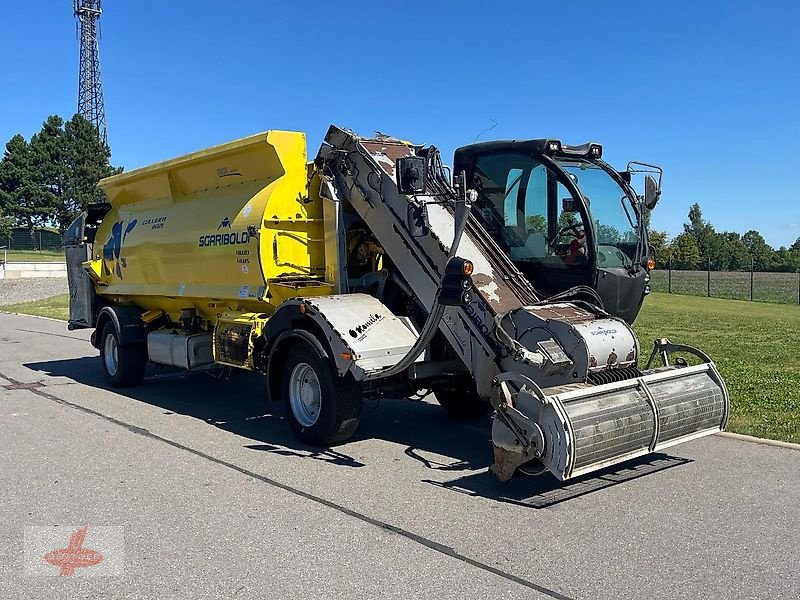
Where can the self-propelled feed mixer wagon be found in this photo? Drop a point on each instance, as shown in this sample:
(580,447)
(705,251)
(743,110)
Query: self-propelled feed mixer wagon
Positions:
(507,286)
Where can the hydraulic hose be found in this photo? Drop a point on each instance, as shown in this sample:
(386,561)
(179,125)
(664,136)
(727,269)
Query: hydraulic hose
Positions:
(431,324)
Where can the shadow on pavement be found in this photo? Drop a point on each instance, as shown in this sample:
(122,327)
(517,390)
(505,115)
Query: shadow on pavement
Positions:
(236,403)
(545,490)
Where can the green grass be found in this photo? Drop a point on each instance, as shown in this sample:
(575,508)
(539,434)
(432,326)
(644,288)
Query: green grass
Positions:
(755,345)
(34,256)
(56,307)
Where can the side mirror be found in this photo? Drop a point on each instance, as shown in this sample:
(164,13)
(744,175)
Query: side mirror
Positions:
(418,224)
(652,193)
(412,175)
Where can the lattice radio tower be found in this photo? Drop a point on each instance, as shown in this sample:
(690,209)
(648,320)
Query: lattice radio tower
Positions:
(90,88)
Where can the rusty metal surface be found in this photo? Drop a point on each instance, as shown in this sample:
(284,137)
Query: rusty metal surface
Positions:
(498,296)
(490,283)
(562,312)
(506,463)
(386,152)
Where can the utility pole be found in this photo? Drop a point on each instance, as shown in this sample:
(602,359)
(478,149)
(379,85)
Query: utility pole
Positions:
(90,88)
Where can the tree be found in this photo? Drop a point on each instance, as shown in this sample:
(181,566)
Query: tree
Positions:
(762,253)
(702,231)
(50,180)
(607,234)
(5,226)
(788,260)
(685,252)
(20,195)
(732,253)
(660,243)
(48,150)
(86,161)
(536,223)
(647,215)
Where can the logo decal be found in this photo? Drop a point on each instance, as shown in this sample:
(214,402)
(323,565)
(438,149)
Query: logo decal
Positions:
(225,224)
(223,239)
(362,329)
(74,555)
(155,222)
(112,248)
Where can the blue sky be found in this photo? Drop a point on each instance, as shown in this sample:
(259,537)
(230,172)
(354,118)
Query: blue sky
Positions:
(709,90)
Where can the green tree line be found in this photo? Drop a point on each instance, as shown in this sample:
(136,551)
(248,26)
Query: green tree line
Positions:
(48,180)
(727,250)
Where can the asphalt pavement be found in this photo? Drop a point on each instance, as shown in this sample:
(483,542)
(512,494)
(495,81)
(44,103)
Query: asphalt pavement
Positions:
(214,498)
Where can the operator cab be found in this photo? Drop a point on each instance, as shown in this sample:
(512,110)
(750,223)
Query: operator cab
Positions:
(563,216)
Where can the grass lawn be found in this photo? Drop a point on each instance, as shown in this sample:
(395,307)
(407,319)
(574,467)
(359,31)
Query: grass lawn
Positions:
(755,345)
(39,256)
(56,307)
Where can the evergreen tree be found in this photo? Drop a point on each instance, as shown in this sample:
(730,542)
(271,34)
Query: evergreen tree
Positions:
(86,161)
(20,194)
(48,149)
(6,223)
(50,180)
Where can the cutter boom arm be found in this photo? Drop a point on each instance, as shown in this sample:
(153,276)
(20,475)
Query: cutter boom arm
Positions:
(564,379)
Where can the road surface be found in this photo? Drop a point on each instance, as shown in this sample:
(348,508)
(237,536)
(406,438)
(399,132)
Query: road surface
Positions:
(215,498)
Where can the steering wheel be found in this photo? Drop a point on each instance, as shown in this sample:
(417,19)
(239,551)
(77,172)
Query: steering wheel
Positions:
(567,228)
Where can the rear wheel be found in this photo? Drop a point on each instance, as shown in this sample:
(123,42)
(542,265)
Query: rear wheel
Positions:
(461,400)
(321,407)
(123,365)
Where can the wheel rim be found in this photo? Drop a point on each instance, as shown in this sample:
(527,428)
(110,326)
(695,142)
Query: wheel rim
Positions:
(305,394)
(110,355)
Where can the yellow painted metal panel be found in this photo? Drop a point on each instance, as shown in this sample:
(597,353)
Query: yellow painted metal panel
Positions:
(219,227)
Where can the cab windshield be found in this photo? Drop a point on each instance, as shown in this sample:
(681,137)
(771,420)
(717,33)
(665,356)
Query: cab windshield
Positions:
(528,208)
(615,220)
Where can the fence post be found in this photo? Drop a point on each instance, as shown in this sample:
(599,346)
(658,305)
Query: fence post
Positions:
(669,276)
(708,284)
(752,269)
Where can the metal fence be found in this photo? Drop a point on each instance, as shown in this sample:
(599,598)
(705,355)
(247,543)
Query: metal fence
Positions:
(737,285)
(41,239)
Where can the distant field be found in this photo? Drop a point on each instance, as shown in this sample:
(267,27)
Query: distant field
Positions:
(767,287)
(755,345)
(56,307)
(31,256)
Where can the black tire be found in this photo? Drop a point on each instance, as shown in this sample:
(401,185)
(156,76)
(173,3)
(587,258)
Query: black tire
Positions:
(339,409)
(461,400)
(131,359)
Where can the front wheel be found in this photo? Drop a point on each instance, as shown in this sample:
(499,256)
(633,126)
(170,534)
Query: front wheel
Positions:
(321,407)
(123,365)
